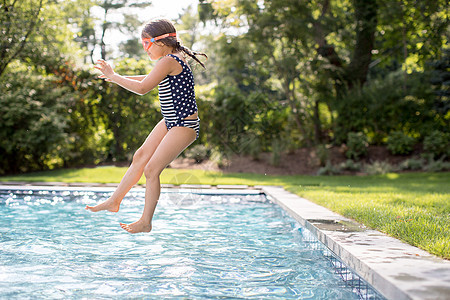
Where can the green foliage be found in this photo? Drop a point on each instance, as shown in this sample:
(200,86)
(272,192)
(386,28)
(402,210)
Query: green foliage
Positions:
(357,145)
(396,102)
(410,32)
(33,122)
(437,144)
(400,143)
(277,150)
(252,146)
(19,21)
(353,42)
(38,33)
(322,154)
(440,79)
(350,165)
(219,158)
(412,164)
(329,169)
(272,82)
(378,168)
(237,123)
(197,152)
(437,165)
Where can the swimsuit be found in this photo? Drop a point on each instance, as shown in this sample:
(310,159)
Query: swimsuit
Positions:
(177,98)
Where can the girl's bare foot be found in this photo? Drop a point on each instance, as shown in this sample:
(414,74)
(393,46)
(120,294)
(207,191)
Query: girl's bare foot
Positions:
(138,226)
(108,205)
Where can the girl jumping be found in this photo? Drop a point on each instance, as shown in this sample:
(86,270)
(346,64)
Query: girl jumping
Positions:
(174,133)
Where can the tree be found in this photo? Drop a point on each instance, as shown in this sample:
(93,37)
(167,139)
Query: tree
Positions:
(19,20)
(33,121)
(109,6)
(309,46)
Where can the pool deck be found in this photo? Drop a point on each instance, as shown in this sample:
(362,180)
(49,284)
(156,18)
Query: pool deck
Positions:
(397,270)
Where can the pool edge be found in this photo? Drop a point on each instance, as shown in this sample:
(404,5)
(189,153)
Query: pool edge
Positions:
(395,269)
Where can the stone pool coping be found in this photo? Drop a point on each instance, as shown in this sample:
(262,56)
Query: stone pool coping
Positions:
(395,269)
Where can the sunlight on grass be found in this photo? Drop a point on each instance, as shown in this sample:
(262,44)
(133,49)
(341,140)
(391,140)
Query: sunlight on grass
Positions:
(392,176)
(414,207)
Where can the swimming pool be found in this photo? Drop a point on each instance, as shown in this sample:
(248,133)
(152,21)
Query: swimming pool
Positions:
(202,246)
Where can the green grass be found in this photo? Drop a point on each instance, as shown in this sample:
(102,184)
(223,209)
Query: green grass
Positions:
(413,207)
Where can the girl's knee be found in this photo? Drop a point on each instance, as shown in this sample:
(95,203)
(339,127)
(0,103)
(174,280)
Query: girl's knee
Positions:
(139,156)
(152,171)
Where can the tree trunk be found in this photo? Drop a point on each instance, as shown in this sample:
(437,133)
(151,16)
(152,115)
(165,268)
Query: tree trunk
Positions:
(290,96)
(366,20)
(356,71)
(317,124)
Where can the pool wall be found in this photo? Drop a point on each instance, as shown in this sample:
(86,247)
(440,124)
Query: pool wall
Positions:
(397,270)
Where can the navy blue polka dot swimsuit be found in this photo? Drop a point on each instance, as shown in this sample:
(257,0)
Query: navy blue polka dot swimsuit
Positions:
(177,98)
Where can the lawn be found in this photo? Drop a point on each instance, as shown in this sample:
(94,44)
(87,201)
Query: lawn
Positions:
(414,207)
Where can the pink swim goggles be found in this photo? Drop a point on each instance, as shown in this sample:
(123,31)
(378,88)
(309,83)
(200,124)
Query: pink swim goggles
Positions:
(148,42)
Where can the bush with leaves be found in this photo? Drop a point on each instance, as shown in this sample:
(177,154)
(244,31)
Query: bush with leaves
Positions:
(323,154)
(437,165)
(412,164)
(197,152)
(350,165)
(329,169)
(437,144)
(239,123)
(394,102)
(357,145)
(379,167)
(400,143)
(33,122)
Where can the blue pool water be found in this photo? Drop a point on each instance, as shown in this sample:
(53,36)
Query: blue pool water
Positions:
(201,247)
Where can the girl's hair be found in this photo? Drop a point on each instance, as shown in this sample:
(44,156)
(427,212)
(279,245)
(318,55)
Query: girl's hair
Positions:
(162,26)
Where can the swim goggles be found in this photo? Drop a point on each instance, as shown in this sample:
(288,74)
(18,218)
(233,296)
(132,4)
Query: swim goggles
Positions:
(148,42)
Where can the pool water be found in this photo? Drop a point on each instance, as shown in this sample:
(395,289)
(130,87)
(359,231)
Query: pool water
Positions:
(201,247)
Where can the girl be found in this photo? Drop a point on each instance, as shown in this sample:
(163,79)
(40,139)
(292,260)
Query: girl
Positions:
(174,133)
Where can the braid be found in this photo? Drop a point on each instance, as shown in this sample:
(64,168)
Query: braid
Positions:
(191,53)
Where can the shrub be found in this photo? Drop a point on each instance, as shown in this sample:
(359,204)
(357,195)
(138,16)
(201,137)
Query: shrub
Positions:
(400,143)
(378,167)
(412,164)
(219,158)
(350,165)
(437,165)
(251,145)
(322,154)
(33,123)
(329,169)
(197,152)
(437,144)
(357,145)
(379,106)
(277,149)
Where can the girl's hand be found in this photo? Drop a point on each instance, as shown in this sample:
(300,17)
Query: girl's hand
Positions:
(104,77)
(105,68)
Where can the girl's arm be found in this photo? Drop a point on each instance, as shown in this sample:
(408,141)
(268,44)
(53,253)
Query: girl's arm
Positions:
(134,77)
(162,68)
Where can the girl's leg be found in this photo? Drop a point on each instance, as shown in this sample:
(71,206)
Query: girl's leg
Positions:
(175,141)
(134,172)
